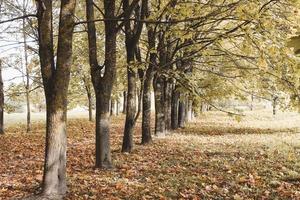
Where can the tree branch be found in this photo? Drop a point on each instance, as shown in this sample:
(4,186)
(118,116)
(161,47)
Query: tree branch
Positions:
(17,18)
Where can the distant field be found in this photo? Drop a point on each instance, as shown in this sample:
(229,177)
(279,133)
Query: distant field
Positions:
(16,118)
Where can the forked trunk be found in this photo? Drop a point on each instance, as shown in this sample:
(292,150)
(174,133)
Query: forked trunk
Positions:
(132,36)
(103,78)
(56,78)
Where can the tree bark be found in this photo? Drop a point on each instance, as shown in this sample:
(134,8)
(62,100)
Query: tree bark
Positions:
(131,103)
(132,36)
(168,103)
(90,102)
(160,125)
(148,80)
(174,111)
(189,110)
(124,102)
(56,82)
(1,102)
(103,152)
(88,90)
(181,114)
(112,108)
(103,78)
(118,107)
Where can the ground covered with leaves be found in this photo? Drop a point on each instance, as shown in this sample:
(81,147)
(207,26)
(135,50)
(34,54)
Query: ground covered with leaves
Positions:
(215,157)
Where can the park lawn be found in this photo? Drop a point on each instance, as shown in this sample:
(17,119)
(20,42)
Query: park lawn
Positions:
(215,157)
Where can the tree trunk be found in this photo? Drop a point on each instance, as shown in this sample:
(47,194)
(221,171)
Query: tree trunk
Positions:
(148,80)
(168,103)
(274,104)
(56,81)
(146,116)
(27,84)
(160,125)
(186,110)
(174,111)
(1,101)
(181,114)
(132,36)
(131,103)
(189,110)
(103,152)
(118,107)
(56,146)
(112,108)
(124,102)
(90,102)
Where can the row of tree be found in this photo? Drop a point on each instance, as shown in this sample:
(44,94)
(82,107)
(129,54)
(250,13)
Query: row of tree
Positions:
(187,52)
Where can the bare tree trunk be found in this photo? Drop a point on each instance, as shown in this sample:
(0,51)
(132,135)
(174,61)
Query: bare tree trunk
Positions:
(27,84)
(1,101)
(56,81)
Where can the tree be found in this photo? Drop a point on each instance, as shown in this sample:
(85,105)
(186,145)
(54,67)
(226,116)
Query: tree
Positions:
(132,35)
(1,102)
(27,76)
(148,79)
(103,77)
(56,76)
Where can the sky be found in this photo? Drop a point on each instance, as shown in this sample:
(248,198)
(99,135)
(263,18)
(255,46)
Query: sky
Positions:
(11,43)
